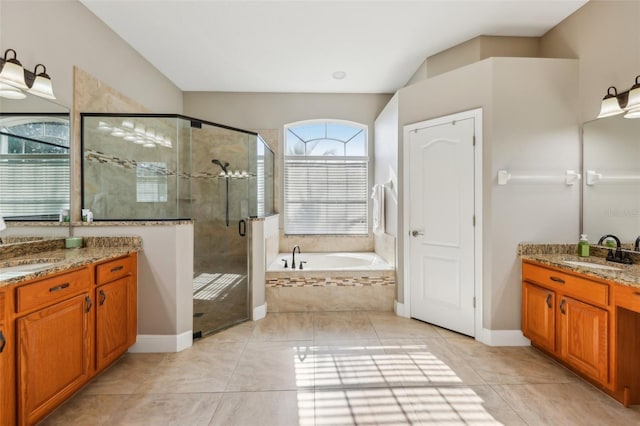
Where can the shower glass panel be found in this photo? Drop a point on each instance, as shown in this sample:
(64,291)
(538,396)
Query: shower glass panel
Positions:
(167,167)
(220,210)
(136,167)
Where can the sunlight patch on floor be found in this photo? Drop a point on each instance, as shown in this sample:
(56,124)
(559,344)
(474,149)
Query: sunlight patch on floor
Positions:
(214,286)
(384,384)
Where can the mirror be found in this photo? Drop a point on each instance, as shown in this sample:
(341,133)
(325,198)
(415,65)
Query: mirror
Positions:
(34,159)
(611,179)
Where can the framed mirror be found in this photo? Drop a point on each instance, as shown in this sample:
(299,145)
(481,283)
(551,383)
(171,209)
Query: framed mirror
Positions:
(611,179)
(34,159)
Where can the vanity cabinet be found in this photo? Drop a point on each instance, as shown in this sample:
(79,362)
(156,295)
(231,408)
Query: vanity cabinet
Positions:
(584,338)
(627,344)
(116,309)
(53,341)
(568,316)
(66,328)
(539,315)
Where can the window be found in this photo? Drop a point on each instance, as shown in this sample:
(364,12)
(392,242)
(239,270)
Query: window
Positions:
(34,167)
(326,178)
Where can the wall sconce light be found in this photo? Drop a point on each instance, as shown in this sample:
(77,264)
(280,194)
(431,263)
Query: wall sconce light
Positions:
(628,102)
(13,78)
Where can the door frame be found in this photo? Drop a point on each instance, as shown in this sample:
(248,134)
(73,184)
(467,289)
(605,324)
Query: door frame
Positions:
(476,114)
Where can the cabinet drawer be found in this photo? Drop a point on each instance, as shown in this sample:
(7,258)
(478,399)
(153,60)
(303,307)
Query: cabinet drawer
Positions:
(113,270)
(627,297)
(51,290)
(582,288)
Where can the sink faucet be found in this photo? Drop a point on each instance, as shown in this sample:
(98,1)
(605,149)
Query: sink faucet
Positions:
(617,257)
(636,246)
(293,256)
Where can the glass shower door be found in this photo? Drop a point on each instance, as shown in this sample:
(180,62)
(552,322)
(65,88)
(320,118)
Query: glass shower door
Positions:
(220,209)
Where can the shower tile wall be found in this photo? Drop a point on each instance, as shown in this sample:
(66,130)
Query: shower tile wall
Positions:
(218,247)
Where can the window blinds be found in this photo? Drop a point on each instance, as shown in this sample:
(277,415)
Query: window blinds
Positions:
(325,196)
(34,186)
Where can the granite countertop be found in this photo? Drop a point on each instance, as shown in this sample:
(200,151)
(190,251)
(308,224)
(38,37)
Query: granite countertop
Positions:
(623,274)
(39,263)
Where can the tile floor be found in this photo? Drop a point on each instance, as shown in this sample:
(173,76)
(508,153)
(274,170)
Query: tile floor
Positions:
(340,368)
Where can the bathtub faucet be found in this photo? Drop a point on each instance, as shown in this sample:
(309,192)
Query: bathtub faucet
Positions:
(293,256)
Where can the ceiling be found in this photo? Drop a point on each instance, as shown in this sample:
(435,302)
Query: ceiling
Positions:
(296,46)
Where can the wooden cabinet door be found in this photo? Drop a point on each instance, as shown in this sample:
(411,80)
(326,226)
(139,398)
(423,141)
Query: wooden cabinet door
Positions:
(583,338)
(538,315)
(53,356)
(113,320)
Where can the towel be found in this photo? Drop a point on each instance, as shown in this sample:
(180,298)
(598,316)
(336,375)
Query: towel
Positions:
(377,195)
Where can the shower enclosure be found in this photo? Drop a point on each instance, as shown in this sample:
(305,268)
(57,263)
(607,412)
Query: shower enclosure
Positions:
(168,167)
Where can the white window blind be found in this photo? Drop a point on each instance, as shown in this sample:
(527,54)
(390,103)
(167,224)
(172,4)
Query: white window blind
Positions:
(34,186)
(325,196)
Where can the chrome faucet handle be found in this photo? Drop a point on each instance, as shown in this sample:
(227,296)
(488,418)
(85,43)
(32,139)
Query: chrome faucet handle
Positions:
(285,262)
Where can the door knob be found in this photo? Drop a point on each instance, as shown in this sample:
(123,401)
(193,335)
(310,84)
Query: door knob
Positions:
(415,233)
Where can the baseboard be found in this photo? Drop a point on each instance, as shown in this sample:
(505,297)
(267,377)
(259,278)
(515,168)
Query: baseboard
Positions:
(153,343)
(503,338)
(399,309)
(259,312)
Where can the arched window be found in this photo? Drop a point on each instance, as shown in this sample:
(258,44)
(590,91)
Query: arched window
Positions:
(326,178)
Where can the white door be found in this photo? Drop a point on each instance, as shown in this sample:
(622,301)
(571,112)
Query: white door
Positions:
(441,224)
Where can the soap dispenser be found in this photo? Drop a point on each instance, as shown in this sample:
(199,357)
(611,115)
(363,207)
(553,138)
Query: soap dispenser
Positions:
(583,246)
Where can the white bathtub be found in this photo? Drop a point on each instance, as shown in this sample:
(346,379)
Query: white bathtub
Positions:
(349,261)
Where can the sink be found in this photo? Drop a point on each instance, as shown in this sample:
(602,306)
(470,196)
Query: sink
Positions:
(591,265)
(20,267)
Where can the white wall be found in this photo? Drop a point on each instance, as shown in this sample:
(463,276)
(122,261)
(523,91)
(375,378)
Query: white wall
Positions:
(63,33)
(526,127)
(386,160)
(605,37)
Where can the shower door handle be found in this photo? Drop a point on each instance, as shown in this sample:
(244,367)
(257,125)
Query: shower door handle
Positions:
(242,228)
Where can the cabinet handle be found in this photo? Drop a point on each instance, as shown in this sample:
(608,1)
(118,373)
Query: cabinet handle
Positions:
(556,279)
(103,297)
(549,301)
(562,308)
(117,268)
(89,303)
(59,287)
(3,342)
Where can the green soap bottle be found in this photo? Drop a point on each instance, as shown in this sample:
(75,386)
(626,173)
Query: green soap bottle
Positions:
(583,246)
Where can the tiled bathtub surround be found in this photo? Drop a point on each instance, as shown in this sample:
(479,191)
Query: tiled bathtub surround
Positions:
(308,292)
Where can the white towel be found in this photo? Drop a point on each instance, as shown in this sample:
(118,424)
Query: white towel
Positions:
(377,195)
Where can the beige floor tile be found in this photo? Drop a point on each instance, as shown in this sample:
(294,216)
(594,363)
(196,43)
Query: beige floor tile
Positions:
(204,367)
(372,406)
(126,375)
(353,364)
(286,365)
(507,365)
(423,362)
(238,333)
(458,405)
(389,325)
(284,326)
(193,409)
(342,325)
(265,408)
(86,409)
(568,404)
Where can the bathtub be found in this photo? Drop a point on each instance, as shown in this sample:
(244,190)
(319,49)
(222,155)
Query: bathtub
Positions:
(330,282)
(350,261)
